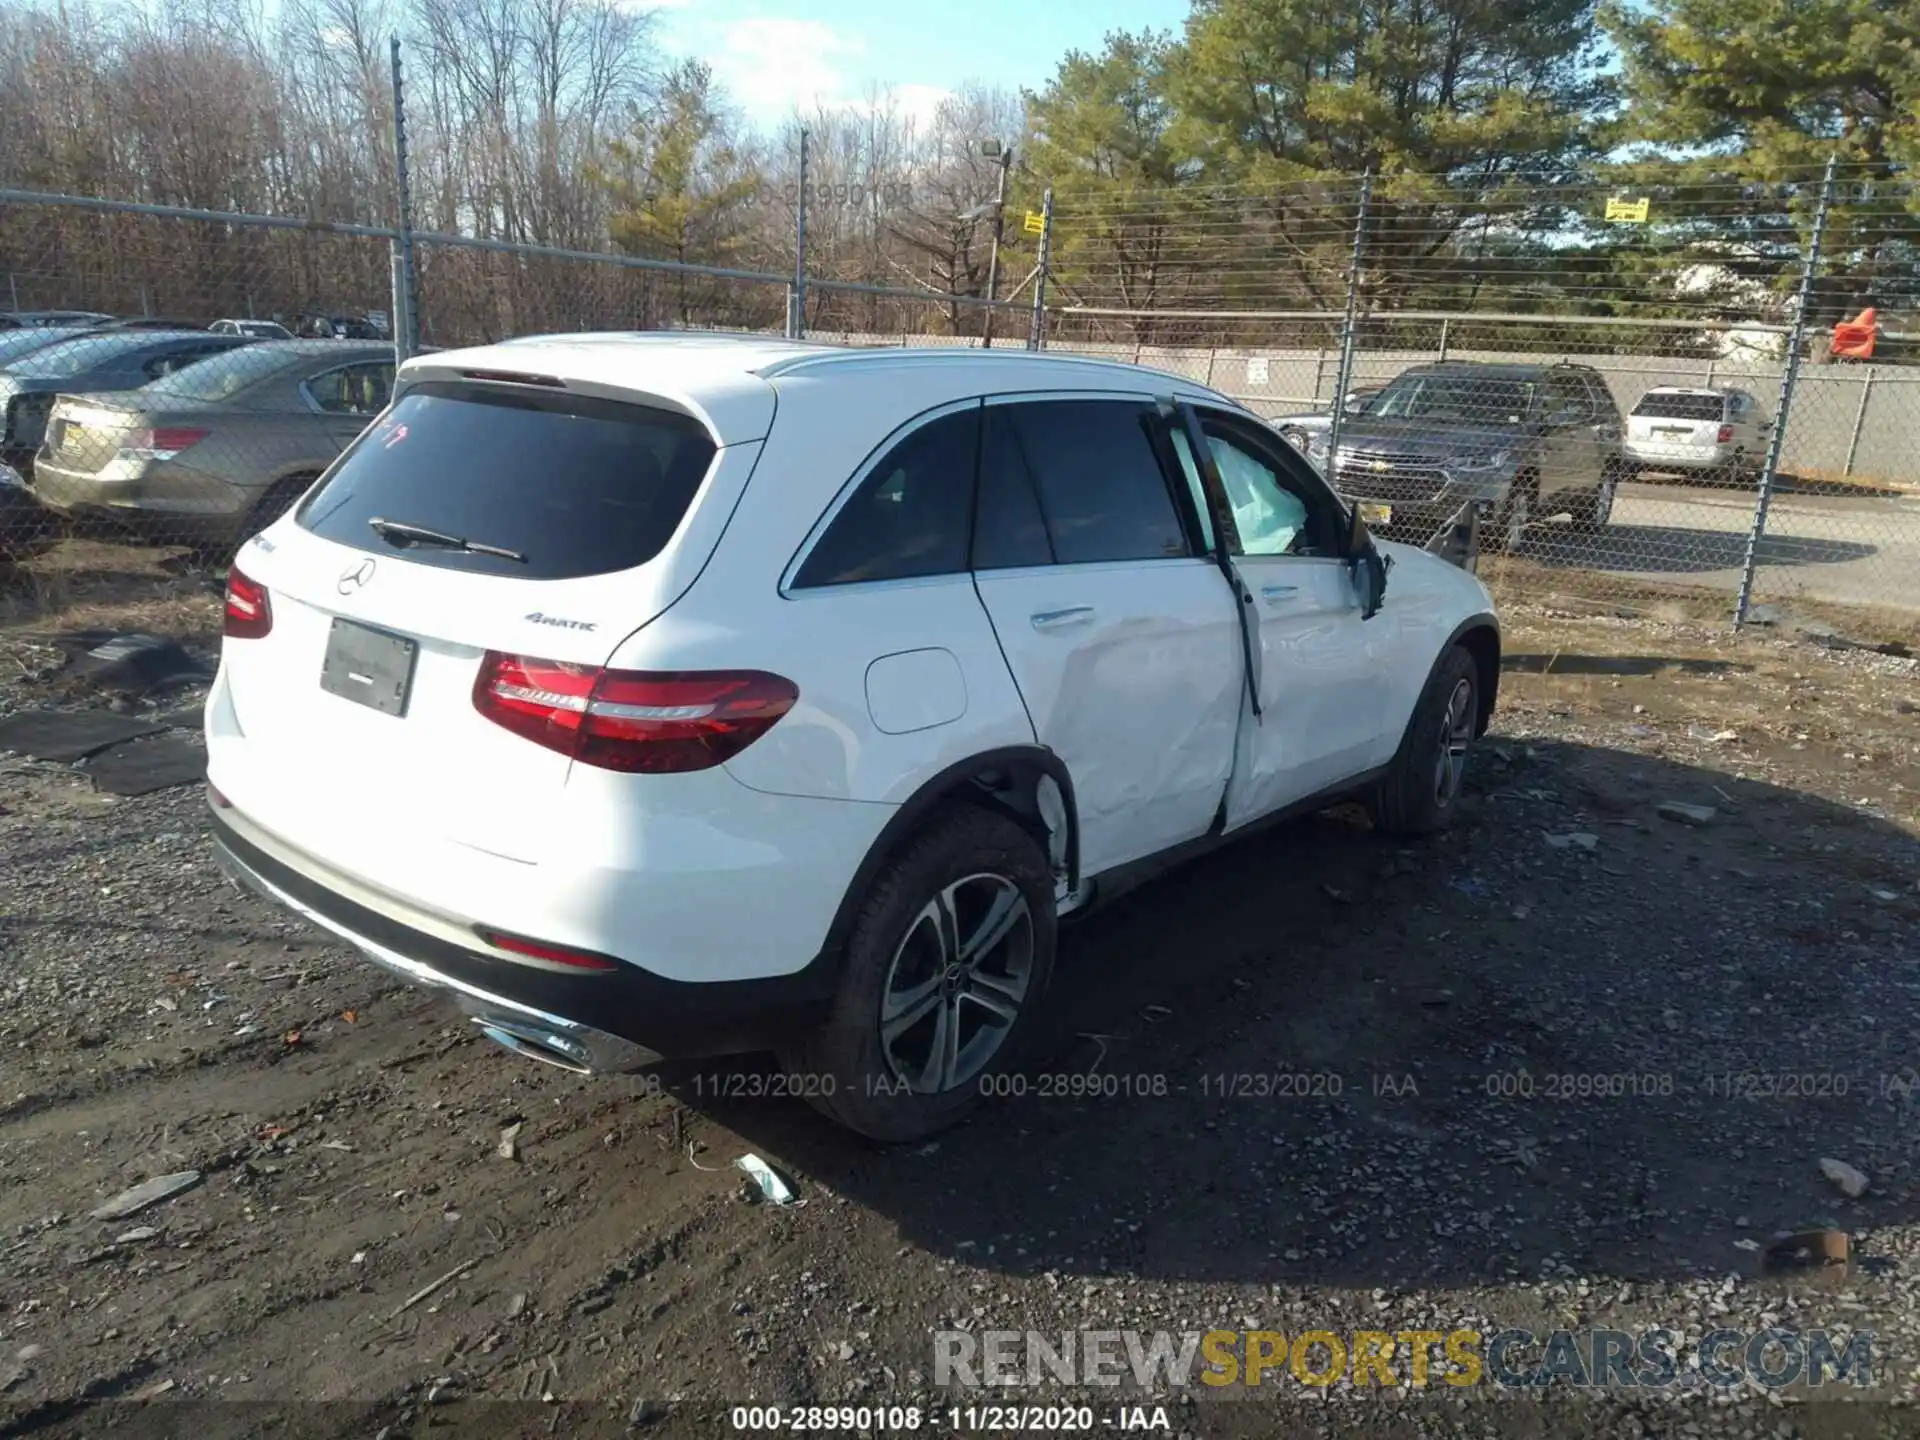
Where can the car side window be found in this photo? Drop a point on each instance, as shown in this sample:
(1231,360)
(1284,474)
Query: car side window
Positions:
(353,389)
(910,517)
(162,365)
(1102,493)
(1601,398)
(1276,510)
(1564,393)
(1009,532)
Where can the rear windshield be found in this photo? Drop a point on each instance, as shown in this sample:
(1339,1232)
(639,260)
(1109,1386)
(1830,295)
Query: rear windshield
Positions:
(1680,407)
(16,343)
(579,486)
(228,373)
(86,352)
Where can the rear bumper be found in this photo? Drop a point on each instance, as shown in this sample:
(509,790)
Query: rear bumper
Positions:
(1679,457)
(607,1021)
(154,496)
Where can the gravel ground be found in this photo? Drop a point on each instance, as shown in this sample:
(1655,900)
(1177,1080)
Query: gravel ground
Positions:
(1572,1066)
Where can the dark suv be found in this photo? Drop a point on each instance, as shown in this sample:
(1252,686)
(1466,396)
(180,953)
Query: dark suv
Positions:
(1519,442)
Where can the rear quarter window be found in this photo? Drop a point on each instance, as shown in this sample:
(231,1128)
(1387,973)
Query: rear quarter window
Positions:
(576,484)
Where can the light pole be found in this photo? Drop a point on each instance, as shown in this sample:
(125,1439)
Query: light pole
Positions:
(1003,155)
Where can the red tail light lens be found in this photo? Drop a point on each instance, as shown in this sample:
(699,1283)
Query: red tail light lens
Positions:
(548,951)
(1726,433)
(249,612)
(640,723)
(166,441)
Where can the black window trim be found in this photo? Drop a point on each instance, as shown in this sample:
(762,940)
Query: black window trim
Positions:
(1158,441)
(894,438)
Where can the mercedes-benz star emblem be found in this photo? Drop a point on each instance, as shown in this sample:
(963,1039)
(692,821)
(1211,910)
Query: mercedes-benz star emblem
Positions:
(359,575)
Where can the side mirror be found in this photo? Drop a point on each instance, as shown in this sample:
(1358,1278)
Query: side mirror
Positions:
(1367,565)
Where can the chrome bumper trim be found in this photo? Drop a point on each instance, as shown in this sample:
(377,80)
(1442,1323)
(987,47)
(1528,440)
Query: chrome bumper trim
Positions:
(596,1051)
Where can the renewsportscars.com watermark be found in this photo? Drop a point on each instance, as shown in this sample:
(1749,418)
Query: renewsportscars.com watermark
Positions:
(1415,1359)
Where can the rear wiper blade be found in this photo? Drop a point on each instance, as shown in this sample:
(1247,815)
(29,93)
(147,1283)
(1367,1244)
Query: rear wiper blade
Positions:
(399,532)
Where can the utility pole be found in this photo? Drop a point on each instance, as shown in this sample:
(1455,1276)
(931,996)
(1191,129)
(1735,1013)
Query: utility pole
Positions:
(1037,326)
(797,320)
(994,150)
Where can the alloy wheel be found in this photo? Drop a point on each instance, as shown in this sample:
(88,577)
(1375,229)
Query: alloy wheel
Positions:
(1456,734)
(956,984)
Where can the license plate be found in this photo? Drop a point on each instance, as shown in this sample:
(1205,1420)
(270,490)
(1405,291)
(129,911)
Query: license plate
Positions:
(369,667)
(1673,430)
(1377,514)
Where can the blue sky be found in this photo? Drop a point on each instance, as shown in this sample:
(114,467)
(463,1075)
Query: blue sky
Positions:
(774,55)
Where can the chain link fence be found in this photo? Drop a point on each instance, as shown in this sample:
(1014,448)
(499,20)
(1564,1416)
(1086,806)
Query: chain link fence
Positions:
(1634,379)
(1645,388)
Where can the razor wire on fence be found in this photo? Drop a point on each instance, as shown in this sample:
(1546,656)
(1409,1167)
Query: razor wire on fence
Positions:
(1646,386)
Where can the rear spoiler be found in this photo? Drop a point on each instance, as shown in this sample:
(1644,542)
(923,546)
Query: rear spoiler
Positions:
(1458,540)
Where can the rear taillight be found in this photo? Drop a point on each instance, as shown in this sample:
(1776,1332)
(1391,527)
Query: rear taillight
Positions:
(1726,433)
(249,612)
(163,442)
(652,724)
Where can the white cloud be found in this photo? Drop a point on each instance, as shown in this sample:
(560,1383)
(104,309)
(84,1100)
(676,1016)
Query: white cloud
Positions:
(772,67)
(917,102)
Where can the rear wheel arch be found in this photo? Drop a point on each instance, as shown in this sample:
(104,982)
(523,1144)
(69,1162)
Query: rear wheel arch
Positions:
(1028,784)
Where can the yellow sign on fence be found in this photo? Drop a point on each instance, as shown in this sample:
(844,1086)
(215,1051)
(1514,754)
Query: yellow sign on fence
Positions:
(1034,224)
(1629,212)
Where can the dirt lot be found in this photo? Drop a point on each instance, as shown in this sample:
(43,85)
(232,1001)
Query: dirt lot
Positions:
(1743,996)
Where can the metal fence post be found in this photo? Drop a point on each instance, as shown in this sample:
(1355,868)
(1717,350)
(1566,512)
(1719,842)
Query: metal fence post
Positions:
(797,313)
(1037,327)
(1859,421)
(406,327)
(1343,380)
(1783,412)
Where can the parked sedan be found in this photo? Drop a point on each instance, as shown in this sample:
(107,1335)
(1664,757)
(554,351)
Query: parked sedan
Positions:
(17,345)
(44,319)
(214,452)
(93,362)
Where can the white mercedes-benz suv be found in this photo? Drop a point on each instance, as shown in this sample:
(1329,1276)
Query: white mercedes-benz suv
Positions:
(670,696)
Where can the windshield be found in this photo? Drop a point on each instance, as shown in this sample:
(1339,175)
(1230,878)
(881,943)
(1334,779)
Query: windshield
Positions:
(225,374)
(85,352)
(1454,400)
(16,343)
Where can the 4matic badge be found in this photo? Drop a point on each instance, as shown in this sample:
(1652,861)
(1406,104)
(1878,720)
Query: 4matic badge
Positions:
(560,623)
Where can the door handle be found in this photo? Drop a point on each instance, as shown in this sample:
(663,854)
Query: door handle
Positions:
(1060,619)
(1273,594)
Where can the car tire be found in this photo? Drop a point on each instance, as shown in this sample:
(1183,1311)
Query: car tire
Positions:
(905,946)
(278,499)
(1511,519)
(1420,792)
(274,502)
